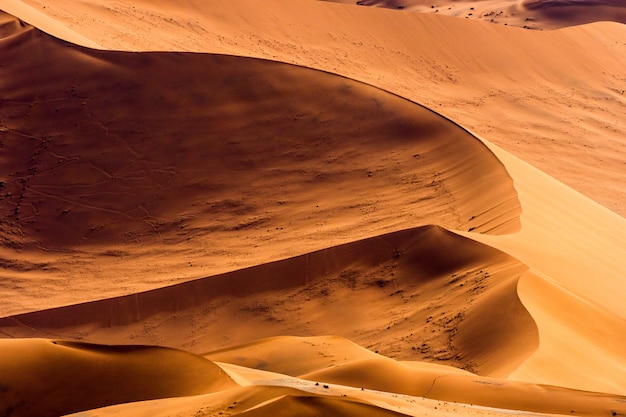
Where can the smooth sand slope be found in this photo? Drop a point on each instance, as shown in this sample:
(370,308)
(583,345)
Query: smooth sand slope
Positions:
(456,278)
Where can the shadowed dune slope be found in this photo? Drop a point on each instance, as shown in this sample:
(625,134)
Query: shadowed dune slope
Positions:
(529,91)
(51,378)
(174,165)
(418,294)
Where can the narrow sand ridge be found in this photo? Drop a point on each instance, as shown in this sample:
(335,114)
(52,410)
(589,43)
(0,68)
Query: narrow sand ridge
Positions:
(535,93)
(419,294)
(111,174)
(51,378)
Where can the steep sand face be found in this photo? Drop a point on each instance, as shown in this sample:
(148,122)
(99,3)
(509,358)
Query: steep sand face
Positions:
(51,378)
(225,164)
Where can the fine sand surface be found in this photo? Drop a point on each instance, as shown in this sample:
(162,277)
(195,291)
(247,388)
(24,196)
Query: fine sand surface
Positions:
(233,208)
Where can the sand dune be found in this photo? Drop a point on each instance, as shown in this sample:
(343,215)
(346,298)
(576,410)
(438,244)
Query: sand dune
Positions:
(338,361)
(420,294)
(51,378)
(263,190)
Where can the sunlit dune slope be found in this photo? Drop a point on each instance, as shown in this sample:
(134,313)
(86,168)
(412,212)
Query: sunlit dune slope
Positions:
(575,287)
(349,379)
(51,378)
(117,166)
(419,294)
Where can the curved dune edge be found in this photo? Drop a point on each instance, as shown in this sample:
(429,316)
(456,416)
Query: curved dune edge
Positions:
(110,167)
(44,22)
(418,294)
(51,378)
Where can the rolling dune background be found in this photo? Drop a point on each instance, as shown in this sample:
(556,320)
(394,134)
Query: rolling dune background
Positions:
(312,208)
